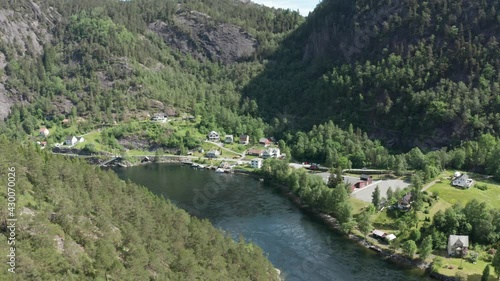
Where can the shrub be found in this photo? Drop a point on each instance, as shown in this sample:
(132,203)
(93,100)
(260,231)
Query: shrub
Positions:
(486,257)
(482,186)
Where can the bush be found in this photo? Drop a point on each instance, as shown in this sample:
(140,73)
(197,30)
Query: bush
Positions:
(482,186)
(426,211)
(90,148)
(486,257)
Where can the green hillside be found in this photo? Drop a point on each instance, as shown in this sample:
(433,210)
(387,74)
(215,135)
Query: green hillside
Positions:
(77,222)
(410,73)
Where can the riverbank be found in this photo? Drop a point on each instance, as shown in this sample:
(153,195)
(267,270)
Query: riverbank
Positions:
(332,223)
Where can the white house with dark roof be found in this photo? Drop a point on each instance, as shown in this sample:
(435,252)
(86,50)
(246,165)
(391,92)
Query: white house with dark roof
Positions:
(244,139)
(458,245)
(256,163)
(159,117)
(229,139)
(213,154)
(273,152)
(71,140)
(462,181)
(213,136)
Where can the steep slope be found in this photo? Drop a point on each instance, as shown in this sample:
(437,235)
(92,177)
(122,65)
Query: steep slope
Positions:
(97,61)
(199,35)
(22,34)
(77,222)
(409,72)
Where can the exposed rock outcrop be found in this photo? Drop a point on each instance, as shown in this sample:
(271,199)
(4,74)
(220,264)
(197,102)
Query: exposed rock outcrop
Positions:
(199,35)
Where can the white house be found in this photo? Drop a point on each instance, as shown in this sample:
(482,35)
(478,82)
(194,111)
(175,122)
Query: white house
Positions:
(265,142)
(159,117)
(390,237)
(44,132)
(71,140)
(458,244)
(256,163)
(213,154)
(80,139)
(229,139)
(244,139)
(271,153)
(462,181)
(213,136)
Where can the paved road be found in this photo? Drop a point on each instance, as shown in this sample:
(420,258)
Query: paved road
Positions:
(365,194)
(168,156)
(298,166)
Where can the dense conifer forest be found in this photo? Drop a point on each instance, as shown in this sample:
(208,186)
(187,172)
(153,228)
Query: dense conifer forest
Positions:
(78,222)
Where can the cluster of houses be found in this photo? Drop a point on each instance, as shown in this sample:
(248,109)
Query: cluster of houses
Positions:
(272,152)
(243,139)
(70,140)
(215,137)
(458,245)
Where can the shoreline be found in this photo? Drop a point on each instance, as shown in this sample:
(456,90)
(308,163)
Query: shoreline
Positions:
(384,254)
(330,221)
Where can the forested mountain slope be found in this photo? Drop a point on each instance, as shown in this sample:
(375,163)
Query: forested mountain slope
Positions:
(77,222)
(408,72)
(97,61)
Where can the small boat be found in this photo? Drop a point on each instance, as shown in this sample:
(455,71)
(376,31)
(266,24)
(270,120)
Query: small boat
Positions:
(219,170)
(201,166)
(376,249)
(194,165)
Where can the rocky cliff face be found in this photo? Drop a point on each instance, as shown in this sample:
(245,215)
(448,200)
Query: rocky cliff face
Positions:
(197,34)
(24,29)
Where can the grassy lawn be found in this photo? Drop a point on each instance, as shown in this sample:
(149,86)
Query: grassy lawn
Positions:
(93,137)
(440,205)
(236,147)
(383,222)
(454,195)
(474,271)
(357,205)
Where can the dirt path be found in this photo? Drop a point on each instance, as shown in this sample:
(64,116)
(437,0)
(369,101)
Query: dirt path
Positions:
(227,149)
(429,185)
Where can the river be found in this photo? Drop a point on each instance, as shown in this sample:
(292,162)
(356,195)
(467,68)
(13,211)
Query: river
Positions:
(300,246)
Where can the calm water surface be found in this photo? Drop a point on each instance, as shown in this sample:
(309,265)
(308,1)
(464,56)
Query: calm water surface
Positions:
(300,246)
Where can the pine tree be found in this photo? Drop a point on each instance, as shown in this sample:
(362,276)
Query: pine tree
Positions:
(376,197)
(425,247)
(486,273)
(496,263)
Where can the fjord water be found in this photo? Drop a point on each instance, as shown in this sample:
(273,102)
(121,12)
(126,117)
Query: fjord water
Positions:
(300,246)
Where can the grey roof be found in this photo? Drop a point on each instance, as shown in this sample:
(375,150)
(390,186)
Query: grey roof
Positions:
(351,180)
(70,138)
(406,199)
(454,238)
(364,177)
(464,176)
